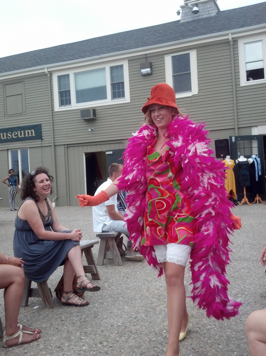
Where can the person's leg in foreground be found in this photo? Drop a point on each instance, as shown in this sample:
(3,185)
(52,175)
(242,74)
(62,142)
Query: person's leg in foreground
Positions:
(256,332)
(12,280)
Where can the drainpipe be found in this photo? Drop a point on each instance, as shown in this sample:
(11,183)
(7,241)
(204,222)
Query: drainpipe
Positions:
(234,83)
(52,136)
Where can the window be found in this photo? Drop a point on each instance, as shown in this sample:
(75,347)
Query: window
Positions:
(117,82)
(14,98)
(252,60)
(247,147)
(19,162)
(64,90)
(181,73)
(92,86)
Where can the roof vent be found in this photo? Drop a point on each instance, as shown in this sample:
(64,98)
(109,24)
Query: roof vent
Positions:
(88,113)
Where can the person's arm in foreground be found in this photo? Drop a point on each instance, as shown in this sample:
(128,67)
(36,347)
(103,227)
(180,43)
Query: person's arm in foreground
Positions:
(4,259)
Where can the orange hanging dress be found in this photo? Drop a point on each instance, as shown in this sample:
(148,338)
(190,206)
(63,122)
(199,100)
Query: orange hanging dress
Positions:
(230,178)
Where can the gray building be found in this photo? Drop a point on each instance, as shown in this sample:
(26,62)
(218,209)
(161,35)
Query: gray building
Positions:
(72,107)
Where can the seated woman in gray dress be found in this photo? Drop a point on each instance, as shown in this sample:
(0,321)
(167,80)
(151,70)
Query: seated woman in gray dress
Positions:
(43,243)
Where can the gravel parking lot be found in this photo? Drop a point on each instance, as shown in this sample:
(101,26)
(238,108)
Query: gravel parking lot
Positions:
(128,315)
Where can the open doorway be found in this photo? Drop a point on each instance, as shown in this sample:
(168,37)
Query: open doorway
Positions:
(96,167)
(94,174)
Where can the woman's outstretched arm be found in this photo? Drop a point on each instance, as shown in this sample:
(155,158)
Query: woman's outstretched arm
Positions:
(86,200)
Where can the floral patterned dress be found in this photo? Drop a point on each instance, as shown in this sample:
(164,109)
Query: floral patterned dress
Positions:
(167,216)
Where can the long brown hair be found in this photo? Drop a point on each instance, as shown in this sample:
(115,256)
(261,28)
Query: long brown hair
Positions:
(28,183)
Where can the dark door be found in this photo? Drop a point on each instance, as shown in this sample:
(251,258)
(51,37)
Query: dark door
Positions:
(93,173)
(94,161)
(247,145)
(114,157)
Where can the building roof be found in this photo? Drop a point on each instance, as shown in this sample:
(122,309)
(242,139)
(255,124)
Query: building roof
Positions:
(223,21)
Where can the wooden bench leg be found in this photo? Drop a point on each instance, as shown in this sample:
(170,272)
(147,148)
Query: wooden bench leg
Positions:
(115,252)
(101,253)
(45,294)
(91,261)
(26,292)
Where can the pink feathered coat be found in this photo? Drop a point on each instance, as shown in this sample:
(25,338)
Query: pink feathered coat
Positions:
(203,182)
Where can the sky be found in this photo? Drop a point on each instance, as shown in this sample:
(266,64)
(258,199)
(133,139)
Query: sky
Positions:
(27,25)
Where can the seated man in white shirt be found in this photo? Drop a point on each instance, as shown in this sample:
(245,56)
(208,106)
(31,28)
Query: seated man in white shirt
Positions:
(106,217)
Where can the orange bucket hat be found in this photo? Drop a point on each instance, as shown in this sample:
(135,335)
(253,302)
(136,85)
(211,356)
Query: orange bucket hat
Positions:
(163,94)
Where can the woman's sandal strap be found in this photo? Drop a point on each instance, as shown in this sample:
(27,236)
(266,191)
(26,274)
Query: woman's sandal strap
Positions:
(24,331)
(37,331)
(74,302)
(16,334)
(79,276)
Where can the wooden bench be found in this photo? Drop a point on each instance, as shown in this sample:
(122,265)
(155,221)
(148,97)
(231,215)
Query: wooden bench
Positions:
(107,240)
(44,292)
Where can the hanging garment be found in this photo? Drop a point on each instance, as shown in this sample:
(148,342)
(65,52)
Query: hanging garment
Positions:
(243,173)
(257,163)
(229,182)
(255,184)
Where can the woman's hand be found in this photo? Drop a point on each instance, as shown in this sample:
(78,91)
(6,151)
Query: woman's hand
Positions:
(76,235)
(83,199)
(236,221)
(17,262)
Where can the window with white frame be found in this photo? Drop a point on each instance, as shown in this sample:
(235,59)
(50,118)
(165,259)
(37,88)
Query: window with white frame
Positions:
(252,59)
(117,82)
(64,90)
(181,73)
(107,84)
(19,162)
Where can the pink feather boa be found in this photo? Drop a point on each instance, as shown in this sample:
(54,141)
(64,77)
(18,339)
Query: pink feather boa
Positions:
(203,182)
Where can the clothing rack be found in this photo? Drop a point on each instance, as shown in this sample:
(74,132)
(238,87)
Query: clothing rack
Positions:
(258,199)
(245,200)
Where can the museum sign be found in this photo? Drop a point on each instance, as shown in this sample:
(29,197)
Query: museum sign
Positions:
(21,133)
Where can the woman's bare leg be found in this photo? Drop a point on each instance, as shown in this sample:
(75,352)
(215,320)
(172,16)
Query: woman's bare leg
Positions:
(256,332)
(174,276)
(75,258)
(73,265)
(185,319)
(12,280)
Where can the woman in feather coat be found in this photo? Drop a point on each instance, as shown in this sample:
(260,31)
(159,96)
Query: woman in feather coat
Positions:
(177,208)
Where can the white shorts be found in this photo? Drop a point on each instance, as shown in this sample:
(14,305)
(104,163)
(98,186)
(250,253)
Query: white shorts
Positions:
(173,253)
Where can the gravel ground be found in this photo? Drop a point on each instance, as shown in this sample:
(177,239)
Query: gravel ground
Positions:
(128,315)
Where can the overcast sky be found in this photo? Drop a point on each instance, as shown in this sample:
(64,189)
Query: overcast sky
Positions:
(27,25)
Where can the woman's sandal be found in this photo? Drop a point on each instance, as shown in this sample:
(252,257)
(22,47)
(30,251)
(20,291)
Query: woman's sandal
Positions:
(77,299)
(19,333)
(82,289)
(23,327)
